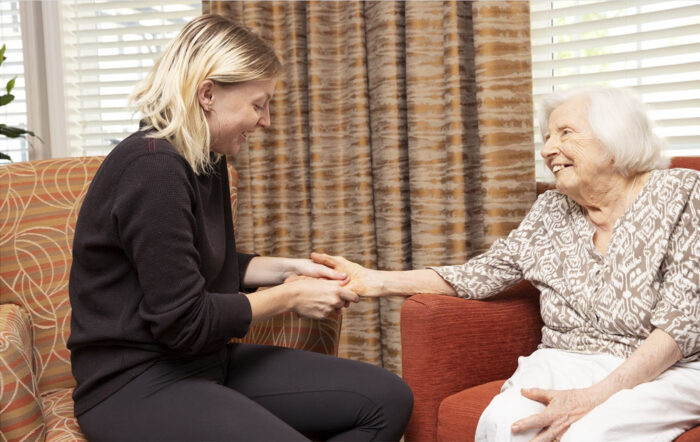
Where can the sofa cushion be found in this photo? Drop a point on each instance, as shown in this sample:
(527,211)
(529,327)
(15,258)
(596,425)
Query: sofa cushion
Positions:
(61,425)
(459,413)
(20,409)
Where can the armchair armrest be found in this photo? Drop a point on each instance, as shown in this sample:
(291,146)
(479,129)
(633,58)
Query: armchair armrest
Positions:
(21,416)
(450,344)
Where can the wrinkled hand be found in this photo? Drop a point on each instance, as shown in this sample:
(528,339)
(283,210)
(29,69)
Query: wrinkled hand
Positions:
(317,297)
(363,281)
(563,408)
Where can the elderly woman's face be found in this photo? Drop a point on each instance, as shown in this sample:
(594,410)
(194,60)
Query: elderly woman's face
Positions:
(571,150)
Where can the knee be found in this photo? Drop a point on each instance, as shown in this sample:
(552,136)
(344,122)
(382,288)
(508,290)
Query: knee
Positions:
(506,408)
(391,402)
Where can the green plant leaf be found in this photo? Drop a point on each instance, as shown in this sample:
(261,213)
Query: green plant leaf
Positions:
(11,85)
(2,54)
(6,99)
(14,132)
(4,156)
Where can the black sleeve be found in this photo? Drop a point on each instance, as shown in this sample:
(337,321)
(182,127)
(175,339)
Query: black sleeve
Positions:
(153,208)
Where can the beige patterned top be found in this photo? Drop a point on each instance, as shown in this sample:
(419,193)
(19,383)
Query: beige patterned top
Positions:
(594,303)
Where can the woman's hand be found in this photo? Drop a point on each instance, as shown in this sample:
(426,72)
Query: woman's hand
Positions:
(363,281)
(317,298)
(563,408)
(307,267)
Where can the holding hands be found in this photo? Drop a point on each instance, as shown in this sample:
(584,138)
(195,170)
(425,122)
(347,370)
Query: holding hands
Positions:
(363,281)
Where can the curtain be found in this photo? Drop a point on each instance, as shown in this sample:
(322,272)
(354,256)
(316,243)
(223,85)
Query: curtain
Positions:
(401,138)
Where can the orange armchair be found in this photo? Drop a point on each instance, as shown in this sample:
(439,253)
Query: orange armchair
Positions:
(39,204)
(457,353)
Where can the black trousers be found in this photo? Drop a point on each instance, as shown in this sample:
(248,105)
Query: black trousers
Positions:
(255,393)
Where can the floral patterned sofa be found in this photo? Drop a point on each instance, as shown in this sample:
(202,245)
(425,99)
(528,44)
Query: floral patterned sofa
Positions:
(39,205)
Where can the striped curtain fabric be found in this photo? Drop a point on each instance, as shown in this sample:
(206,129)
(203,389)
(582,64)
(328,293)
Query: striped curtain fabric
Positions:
(401,137)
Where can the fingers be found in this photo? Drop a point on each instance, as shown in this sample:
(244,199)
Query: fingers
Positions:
(539,420)
(537,394)
(348,296)
(329,273)
(326,260)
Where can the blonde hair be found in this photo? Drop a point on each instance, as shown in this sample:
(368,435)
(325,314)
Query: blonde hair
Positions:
(209,47)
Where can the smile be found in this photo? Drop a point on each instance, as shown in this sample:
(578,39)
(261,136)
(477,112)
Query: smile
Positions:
(559,167)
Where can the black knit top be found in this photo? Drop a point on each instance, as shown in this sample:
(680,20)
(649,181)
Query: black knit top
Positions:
(155,270)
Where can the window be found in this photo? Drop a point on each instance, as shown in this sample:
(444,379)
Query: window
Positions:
(109,46)
(85,58)
(15,113)
(651,47)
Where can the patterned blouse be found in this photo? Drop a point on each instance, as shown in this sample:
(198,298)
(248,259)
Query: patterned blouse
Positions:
(595,303)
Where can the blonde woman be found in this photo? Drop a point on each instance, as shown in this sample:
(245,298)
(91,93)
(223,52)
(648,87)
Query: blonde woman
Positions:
(156,283)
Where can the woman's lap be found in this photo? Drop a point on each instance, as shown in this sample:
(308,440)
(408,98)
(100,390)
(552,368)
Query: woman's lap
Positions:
(650,410)
(254,393)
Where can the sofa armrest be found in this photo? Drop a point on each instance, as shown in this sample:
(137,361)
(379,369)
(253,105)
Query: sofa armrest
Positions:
(449,344)
(21,416)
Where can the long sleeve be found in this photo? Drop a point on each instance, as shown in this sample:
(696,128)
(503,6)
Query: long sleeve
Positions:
(499,267)
(678,310)
(155,210)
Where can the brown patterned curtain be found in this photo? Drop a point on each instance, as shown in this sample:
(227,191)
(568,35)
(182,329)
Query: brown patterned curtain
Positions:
(401,137)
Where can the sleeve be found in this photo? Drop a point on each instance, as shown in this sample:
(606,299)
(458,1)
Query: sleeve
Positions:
(678,311)
(243,262)
(154,212)
(499,267)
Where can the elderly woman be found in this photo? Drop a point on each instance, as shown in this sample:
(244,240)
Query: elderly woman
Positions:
(615,253)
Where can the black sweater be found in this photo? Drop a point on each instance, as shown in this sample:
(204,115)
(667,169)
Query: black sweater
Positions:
(155,270)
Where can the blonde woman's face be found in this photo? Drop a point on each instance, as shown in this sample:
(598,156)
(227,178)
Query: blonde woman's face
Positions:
(234,112)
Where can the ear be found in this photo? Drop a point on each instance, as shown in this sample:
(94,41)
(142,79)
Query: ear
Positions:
(205,94)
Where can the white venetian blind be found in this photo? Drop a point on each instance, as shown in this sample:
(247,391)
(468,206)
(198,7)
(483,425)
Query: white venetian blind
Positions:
(108,47)
(649,46)
(15,113)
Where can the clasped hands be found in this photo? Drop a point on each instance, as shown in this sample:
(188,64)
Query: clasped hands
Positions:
(331,284)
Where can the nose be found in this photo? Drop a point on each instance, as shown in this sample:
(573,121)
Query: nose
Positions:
(550,148)
(264,120)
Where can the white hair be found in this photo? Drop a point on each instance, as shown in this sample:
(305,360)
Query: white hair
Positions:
(621,124)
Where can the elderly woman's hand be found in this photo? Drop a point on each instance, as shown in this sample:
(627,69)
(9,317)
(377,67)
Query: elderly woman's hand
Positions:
(363,281)
(563,408)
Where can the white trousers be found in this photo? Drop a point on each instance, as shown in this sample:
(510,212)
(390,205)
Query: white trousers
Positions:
(659,410)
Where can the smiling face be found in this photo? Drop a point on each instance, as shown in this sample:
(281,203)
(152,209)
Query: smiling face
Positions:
(573,153)
(234,111)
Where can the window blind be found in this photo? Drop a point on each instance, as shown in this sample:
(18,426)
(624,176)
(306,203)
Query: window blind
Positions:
(108,47)
(15,113)
(649,46)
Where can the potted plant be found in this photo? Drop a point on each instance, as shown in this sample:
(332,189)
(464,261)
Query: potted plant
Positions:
(10,131)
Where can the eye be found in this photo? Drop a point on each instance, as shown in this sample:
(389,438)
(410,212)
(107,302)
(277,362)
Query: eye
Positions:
(257,108)
(566,131)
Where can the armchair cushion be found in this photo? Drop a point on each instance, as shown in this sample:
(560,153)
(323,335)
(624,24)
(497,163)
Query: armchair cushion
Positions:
(20,408)
(459,414)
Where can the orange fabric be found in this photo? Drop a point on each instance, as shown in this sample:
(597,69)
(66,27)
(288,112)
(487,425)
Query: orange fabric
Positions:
(61,425)
(459,413)
(686,162)
(20,410)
